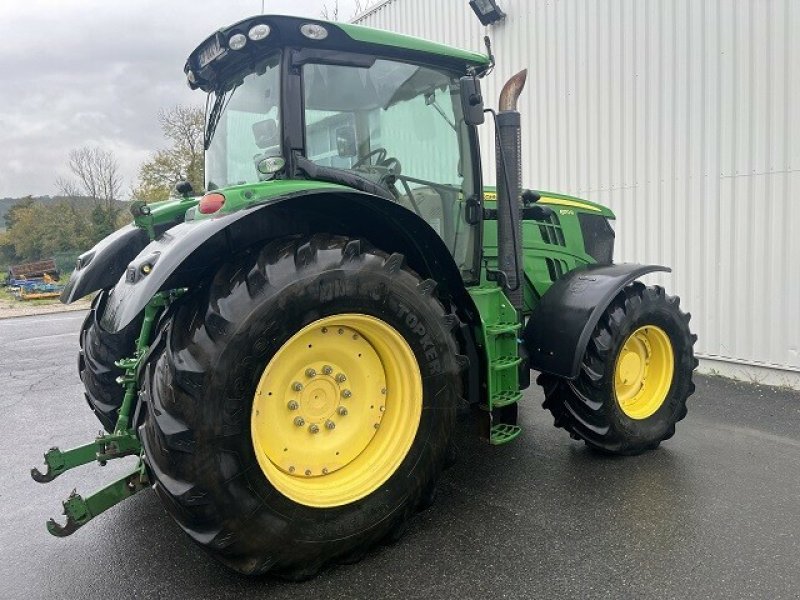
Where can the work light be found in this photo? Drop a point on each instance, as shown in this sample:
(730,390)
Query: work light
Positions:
(487,11)
(258,32)
(237,41)
(313,31)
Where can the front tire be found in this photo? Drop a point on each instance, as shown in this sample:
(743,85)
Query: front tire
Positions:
(99,350)
(635,377)
(245,405)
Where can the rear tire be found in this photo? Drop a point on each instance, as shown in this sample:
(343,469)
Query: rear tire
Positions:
(594,407)
(206,403)
(99,350)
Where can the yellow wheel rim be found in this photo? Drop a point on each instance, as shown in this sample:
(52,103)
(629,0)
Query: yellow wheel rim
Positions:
(643,372)
(336,410)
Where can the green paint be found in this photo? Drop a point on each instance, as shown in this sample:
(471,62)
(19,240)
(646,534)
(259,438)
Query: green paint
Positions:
(540,255)
(80,511)
(169,210)
(161,213)
(406,42)
(490,195)
(238,197)
(497,337)
(122,442)
(131,365)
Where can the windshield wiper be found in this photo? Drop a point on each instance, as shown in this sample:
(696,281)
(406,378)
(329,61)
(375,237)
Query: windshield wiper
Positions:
(220,103)
(430,100)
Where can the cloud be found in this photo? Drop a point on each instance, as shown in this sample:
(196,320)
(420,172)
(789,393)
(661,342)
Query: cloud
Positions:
(91,72)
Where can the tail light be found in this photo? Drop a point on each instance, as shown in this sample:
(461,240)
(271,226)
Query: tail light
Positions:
(211,203)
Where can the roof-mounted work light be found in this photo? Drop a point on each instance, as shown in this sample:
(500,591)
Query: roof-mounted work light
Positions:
(487,11)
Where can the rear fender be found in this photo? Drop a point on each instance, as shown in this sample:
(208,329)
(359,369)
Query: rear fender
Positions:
(190,251)
(561,324)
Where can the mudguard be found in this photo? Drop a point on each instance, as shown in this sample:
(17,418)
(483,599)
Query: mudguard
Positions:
(100,267)
(184,254)
(560,326)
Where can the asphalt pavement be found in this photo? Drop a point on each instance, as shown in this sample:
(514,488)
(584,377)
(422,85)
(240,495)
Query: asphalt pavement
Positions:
(713,513)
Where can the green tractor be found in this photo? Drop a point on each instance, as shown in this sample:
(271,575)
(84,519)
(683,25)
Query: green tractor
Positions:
(287,353)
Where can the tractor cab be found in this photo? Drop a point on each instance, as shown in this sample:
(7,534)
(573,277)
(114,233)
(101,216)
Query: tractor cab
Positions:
(293,99)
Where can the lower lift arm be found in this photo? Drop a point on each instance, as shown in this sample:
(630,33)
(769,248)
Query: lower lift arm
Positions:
(123,441)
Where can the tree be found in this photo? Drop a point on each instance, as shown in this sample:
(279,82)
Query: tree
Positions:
(40,230)
(183,127)
(95,175)
(332,13)
(12,215)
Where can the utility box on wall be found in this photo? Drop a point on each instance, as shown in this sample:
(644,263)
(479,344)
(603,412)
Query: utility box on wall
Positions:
(682,116)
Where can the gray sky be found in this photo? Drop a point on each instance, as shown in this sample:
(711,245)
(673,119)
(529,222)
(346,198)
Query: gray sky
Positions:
(96,72)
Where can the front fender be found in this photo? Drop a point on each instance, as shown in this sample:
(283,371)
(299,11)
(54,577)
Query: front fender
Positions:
(208,242)
(99,268)
(560,326)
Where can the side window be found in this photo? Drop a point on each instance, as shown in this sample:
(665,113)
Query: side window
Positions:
(399,126)
(421,134)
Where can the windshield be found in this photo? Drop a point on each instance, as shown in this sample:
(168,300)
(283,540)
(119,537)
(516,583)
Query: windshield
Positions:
(244,127)
(400,126)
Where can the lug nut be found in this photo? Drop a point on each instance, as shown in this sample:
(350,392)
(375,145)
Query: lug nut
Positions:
(342,411)
(299,421)
(313,428)
(383,391)
(327,370)
(291,469)
(292,405)
(346,393)
(311,373)
(324,470)
(330,424)
(383,408)
(377,425)
(341,378)
(308,472)
(297,386)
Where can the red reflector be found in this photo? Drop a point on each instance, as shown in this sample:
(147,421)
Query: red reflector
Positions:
(211,203)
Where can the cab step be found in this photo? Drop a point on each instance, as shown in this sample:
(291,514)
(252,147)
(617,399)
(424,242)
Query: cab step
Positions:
(505,398)
(503,433)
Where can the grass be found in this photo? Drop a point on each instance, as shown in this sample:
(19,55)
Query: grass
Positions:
(7,299)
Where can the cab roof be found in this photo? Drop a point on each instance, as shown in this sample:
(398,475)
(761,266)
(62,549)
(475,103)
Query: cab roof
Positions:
(213,62)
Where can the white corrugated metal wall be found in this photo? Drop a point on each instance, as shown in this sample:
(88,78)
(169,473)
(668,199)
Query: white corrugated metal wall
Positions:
(684,117)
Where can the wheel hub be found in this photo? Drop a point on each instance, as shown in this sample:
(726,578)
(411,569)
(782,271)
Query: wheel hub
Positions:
(643,372)
(320,407)
(630,368)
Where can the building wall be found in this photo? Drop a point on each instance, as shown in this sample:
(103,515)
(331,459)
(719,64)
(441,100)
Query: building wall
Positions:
(684,117)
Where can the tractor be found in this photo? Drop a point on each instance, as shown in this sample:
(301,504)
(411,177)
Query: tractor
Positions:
(287,353)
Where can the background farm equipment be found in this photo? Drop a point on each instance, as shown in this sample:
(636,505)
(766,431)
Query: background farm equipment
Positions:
(34,270)
(34,280)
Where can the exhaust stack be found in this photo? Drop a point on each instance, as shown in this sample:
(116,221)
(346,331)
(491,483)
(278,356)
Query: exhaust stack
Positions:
(509,184)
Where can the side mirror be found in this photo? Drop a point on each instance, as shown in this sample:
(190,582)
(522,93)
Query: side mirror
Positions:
(266,133)
(184,188)
(471,100)
(346,145)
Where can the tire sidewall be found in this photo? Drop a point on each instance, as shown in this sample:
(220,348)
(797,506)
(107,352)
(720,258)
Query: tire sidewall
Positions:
(660,314)
(392,297)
